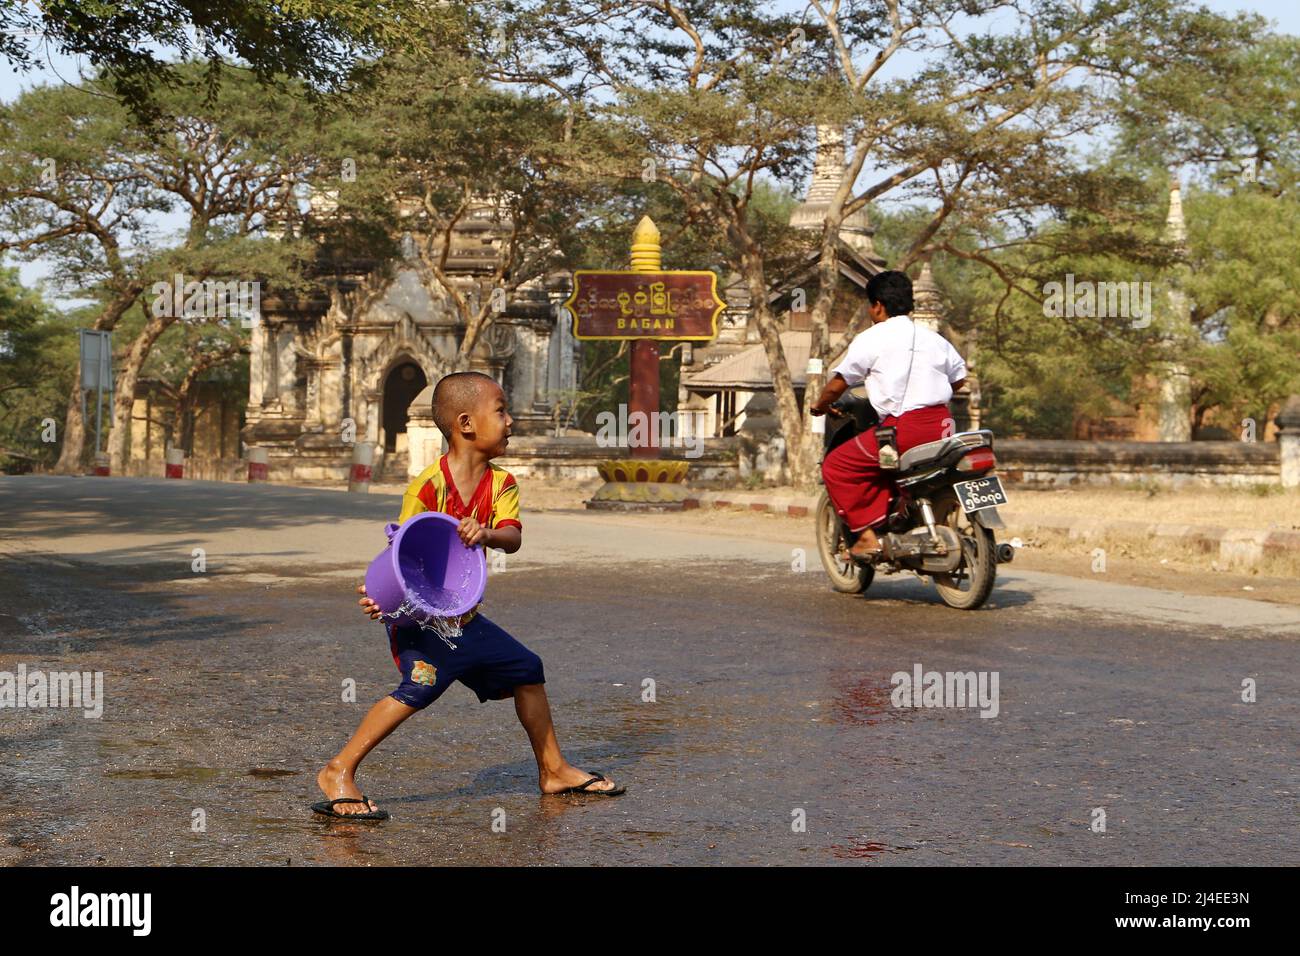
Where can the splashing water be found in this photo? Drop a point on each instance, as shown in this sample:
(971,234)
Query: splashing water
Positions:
(428,611)
(444,627)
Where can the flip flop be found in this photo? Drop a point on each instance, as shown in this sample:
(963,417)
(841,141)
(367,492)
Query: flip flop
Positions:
(582,790)
(326,808)
(867,557)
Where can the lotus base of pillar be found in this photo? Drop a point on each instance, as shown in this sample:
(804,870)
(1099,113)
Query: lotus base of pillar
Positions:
(641,484)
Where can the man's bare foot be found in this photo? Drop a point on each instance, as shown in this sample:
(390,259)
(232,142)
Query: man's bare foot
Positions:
(335,781)
(866,546)
(570,776)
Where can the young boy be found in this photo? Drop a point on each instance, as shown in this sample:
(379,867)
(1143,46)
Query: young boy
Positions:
(470,411)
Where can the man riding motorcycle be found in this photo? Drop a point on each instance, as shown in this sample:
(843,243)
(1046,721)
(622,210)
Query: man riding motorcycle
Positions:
(911,374)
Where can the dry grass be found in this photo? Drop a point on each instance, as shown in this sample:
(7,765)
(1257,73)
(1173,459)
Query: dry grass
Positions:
(537,494)
(1260,509)
(1171,554)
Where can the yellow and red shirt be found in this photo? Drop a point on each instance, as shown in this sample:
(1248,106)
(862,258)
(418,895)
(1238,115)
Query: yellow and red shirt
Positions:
(495,502)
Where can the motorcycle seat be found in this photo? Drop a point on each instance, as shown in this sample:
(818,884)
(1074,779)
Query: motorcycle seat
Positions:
(921,456)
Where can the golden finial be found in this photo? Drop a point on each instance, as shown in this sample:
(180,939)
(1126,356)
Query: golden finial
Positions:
(646,253)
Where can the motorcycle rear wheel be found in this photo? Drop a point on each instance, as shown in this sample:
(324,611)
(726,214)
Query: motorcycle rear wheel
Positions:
(847,576)
(971,584)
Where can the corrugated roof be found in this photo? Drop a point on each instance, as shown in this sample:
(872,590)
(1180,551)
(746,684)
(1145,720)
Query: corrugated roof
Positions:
(748,369)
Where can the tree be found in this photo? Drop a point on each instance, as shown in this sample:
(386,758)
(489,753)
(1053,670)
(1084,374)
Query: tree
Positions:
(184,359)
(1244,288)
(135,44)
(1237,128)
(36,364)
(68,198)
(227,163)
(433,147)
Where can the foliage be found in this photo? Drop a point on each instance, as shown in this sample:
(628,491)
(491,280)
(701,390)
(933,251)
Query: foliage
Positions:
(134,44)
(38,356)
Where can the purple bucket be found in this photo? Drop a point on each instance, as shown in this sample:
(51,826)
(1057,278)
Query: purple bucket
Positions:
(426,570)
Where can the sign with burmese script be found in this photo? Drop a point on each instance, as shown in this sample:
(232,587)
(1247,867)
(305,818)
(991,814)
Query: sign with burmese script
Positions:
(645,305)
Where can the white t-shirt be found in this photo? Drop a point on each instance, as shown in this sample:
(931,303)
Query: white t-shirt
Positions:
(880,356)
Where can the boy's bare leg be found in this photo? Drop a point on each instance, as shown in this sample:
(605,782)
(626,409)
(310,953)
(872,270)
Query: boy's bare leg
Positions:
(553,771)
(338,777)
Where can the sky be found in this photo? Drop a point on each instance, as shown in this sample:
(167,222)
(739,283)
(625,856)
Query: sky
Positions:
(56,68)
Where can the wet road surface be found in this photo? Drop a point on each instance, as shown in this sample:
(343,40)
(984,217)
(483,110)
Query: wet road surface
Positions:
(771,703)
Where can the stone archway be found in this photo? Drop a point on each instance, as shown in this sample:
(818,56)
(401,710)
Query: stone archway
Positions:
(404,381)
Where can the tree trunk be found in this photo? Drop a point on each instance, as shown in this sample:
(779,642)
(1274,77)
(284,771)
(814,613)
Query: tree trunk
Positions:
(188,423)
(787,405)
(186,398)
(477,322)
(73,448)
(804,454)
(802,444)
(72,452)
(124,400)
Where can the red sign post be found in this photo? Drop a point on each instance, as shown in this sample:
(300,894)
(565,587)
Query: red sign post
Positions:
(646,305)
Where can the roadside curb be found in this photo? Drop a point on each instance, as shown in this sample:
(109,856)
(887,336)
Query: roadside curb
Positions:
(796,506)
(1246,545)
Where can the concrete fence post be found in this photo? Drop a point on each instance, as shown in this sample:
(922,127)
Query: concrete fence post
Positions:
(422,436)
(1288,439)
(175,466)
(363,457)
(257,464)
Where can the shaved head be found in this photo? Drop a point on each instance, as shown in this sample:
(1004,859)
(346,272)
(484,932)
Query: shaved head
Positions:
(455,394)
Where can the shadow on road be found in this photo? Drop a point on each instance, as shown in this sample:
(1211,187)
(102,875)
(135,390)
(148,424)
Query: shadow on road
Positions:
(63,608)
(27,502)
(906,589)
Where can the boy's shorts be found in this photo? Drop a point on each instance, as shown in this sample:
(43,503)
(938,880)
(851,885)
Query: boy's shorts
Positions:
(487,660)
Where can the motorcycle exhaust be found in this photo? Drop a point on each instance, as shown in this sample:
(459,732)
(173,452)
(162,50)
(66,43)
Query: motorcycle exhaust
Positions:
(1005,553)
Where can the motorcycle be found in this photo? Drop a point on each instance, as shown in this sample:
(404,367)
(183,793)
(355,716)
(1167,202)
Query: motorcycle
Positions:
(941,518)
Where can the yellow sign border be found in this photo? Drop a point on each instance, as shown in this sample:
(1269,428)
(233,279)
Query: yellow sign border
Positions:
(713,290)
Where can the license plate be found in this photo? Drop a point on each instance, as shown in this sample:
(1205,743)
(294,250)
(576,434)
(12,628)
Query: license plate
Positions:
(980,494)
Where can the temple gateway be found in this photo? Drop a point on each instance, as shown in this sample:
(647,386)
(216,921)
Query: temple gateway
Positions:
(344,363)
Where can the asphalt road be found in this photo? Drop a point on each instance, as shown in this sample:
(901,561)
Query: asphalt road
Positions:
(223,696)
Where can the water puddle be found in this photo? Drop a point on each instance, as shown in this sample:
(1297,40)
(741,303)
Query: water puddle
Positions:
(865,702)
(165,773)
(863,849)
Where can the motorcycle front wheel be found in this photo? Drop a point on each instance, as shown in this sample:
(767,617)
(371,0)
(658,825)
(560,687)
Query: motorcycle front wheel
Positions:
(847,576)
(971,584)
